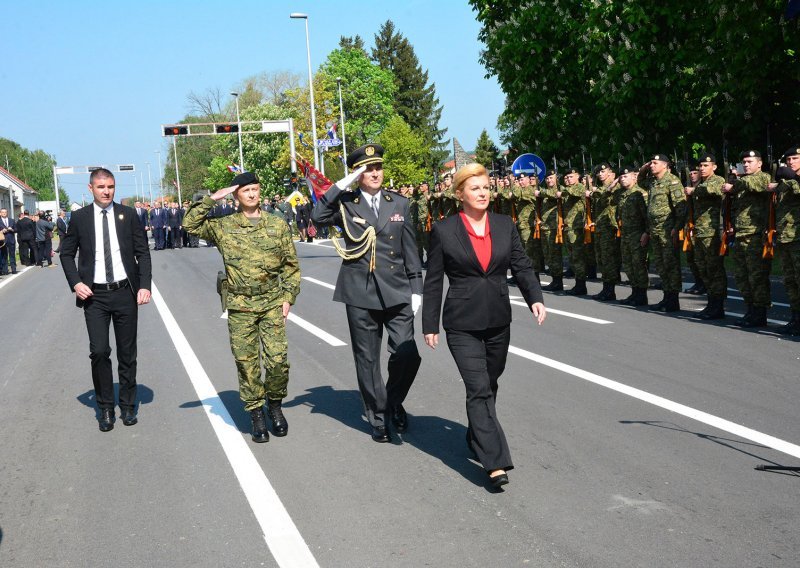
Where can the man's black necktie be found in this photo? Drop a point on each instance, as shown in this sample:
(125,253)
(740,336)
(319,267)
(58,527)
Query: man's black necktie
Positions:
(107,249)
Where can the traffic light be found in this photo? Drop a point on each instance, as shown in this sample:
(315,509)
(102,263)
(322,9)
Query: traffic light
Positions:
(176,130)
(226,128)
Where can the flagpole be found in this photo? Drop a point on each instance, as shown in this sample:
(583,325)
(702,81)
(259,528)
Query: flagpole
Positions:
(341,119)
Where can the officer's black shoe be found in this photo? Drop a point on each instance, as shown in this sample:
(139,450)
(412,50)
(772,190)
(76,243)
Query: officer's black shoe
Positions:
(259,433)
(129,416)
(715,309)
(673,303)
(758,318)
(280,427)
(380,434)
(579,289)
(400,418)
(556,285)
(107,419)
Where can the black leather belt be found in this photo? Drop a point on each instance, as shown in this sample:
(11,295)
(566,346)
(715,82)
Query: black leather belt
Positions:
(111,285)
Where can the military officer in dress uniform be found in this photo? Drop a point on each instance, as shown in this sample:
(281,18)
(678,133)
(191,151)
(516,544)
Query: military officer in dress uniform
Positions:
(380,282)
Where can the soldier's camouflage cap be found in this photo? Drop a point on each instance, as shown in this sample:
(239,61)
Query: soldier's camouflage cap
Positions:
(662,157)
(365,155)
(246,178)
(707,158)
(749,154)
(628,169)
(793,151)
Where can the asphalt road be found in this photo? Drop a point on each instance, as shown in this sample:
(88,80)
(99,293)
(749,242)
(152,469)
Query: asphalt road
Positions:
(635,441)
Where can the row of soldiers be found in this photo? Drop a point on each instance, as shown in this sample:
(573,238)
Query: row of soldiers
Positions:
(622,217)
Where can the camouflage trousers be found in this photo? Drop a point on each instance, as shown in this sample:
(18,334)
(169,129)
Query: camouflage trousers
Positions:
(533,247)
(423,241)
(589,251)
(257,337)
(667,260)
(576,251)
(552,251)
(634,260)
(607,253)
(710,265)
(751,271)
(790,262)
(692,263)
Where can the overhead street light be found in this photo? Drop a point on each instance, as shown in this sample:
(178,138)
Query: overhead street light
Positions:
(239,130)
(301,16)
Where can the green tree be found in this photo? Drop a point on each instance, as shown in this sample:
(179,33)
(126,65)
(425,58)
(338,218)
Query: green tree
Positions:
(416,100)
(485,150)
(624,78)
(405,153)
(34,168)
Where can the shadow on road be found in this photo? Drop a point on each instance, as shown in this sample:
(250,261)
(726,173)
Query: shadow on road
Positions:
(233,404)
(143,393)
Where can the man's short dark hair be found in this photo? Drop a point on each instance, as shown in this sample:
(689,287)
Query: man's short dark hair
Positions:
(100,173)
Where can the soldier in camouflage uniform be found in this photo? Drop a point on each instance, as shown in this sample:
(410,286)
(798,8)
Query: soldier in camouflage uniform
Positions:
(421,208)
(699,287)
(526,220)
(787,217)
(573,195)
(750,210)
(606,244)
(706,198)
(549,229)
(263,280)
(631,220)
(666,211)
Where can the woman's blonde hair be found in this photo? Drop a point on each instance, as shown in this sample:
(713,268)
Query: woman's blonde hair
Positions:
(467,171)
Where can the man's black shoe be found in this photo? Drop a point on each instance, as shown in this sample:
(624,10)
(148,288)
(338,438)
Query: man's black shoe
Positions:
(129,416)
(380,434)
(280,427)
(400,418)
(259,433)
(107,419)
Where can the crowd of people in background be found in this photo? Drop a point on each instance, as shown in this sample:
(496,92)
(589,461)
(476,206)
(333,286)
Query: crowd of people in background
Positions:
(30,237)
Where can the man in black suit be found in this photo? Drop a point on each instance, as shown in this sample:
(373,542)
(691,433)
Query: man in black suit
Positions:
(110,282)
(61,226)
(8,257)
(158,222)
(380,281)
(26,238)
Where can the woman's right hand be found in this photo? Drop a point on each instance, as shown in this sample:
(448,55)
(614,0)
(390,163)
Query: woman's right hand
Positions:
(432,340)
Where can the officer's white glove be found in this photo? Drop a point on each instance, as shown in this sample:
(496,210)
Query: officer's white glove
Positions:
(416,302)
(348,180)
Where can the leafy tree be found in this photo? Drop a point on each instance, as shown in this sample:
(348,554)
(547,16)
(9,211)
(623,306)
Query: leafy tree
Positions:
(35,168)
(404,159)
(356,42)
(623,78)
(416,100)
(485,150)
(194,155)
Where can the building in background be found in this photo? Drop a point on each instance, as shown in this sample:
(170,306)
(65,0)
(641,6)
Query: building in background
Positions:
(15,194)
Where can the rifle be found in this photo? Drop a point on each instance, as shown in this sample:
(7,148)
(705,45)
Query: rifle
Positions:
(768,251)
(537,210)
(588,226)
(429,217)
(728,231)
(559,240)
(688,231)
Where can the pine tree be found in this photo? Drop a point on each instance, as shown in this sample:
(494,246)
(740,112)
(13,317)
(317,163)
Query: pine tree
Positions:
(485,150)
(416,100)
(352,42)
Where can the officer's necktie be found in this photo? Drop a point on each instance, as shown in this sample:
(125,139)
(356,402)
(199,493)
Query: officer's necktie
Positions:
(107,249)
(375,205)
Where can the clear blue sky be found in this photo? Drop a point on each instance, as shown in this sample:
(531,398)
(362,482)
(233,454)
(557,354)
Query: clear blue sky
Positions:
(91,82)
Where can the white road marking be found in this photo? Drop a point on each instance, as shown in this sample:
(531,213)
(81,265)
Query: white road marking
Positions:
(280,533)
(563,313)
(319,282)
(698,415)
(309,327)
(12,277)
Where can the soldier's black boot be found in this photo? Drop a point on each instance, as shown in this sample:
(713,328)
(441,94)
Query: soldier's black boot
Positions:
(280,427)
(612,293)
(579,289)
(707,307)
(746,317)
(556,285)
(715,309)
(659,307)
(758,318)
(259,433)
(793,327)
(673,303)
(640,298)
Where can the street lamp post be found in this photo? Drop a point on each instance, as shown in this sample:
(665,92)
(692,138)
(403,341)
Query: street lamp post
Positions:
(301,16)
(160,176)
(239,129)
(150,182)
(341,119)
(177,174)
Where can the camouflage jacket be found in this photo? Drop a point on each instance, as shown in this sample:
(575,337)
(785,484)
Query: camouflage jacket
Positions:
(707,205)
(549,205)
(631,212)
(260,261)
(604,207)
(574,198)
(420,206)
(751,204)
(526,207)
(787,215)
(666,203)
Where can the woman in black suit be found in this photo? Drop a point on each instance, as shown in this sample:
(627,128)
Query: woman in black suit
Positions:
(475,249)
